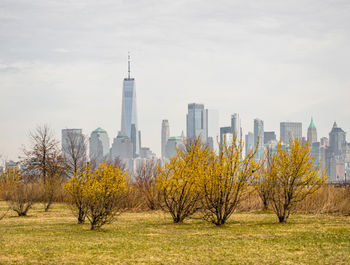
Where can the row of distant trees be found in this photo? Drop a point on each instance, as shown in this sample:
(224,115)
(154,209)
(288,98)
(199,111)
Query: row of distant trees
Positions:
(196,182)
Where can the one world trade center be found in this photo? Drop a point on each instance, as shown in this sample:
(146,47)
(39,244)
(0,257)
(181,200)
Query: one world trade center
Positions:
(129,126)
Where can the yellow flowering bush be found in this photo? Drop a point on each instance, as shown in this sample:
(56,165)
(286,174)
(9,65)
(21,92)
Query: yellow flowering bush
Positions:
(177,181)
(101,192)
(226,177)
(292,176)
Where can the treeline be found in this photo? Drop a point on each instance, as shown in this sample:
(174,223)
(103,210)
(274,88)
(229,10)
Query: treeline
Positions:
(197,182)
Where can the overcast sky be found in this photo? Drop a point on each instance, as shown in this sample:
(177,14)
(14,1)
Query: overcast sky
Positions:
(62,63)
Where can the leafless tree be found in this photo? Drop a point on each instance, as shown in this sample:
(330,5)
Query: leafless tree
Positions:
(43,163)
(263,185)
(145,180)
(74,149)
(117,162)
(43,148)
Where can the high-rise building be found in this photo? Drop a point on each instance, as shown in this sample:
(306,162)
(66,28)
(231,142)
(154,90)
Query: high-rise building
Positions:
(146,153)
(312,133)
(324,141)
(236,129)
(316,152)
(129,125)
(173,144)
(99,145)
(197,122)
(165,136)
(269,137)
(337,140)
(259,138)
(236,126)
(122,148)
(223,132)
(336,154)
(290,130)
(249,142)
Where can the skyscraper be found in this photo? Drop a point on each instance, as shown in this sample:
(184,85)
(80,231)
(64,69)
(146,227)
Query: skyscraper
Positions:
(236,126)
(269,137)
(337,140)
(197,122)
(290,130)
(165,136)
(312,133)
(122,148)
(173,144)
(336,154)
(224,131)
(99,145)
(249,142)
(259,138)
(129,125)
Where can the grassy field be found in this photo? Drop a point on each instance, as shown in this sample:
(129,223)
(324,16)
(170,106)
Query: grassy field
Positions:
(151,238)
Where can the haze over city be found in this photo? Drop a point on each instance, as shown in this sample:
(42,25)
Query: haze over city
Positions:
(63,64)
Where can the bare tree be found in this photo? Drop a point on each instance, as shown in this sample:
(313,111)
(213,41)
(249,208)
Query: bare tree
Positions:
(117,162)
(264,185)
(19,194)
(43,147)
(74,150)
(145,180)
(42,163)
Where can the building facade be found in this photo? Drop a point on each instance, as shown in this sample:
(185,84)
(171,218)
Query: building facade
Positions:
(269,137)
(129,125)
(312,133)
(290,130)
(122,148)
(336,158)
(98,145)
(236,129)
(259,138)
(165,136)
(249,142)
(197,122)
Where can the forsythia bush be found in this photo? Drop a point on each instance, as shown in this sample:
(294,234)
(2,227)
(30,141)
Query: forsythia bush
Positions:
(292,176)
(226,177)
(178,181)
(99,194)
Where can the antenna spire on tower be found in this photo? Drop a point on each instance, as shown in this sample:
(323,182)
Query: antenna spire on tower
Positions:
(128,65)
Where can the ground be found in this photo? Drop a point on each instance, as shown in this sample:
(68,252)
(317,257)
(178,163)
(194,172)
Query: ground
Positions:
(54,237)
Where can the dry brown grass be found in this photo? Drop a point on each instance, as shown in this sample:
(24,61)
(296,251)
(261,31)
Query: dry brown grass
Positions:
(327,200)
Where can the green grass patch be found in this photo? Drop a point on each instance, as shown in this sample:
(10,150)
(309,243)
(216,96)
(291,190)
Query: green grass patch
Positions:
(151,238)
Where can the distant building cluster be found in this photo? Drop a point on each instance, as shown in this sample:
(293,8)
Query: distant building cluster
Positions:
(332,153)
(126,146)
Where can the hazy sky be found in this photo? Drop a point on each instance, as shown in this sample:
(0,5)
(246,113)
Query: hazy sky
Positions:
(62,63)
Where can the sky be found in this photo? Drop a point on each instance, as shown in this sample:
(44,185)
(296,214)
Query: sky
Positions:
(62,63)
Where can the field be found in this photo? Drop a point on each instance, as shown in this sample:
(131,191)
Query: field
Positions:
(151,238)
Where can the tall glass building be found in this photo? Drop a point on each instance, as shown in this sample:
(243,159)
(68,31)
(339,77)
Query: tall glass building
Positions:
(197,122)
(236,129)
(259,138)
(129,126)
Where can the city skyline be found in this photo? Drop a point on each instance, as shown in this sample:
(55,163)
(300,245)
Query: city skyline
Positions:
(274,62)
